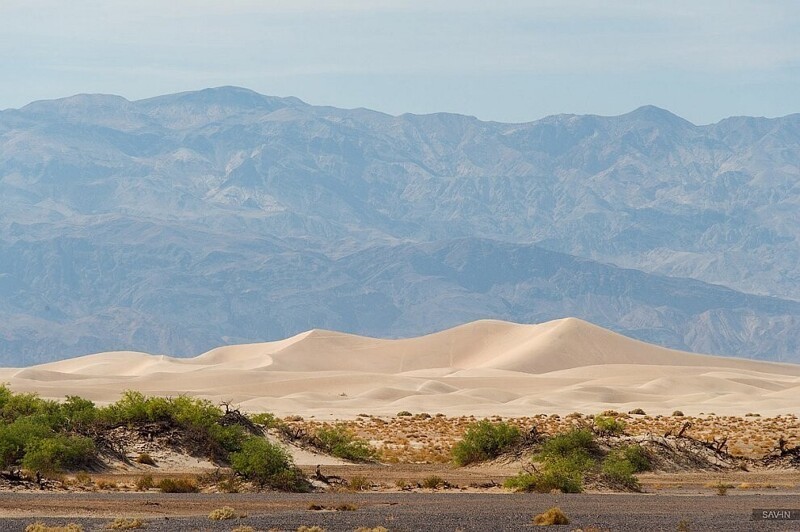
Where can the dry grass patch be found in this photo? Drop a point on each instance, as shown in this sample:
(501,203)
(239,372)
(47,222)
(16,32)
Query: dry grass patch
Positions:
(553,516)
(123,523)
(41,527)
(221,514)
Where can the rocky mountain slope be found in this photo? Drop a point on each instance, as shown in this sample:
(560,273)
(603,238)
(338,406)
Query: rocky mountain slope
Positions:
(183,222)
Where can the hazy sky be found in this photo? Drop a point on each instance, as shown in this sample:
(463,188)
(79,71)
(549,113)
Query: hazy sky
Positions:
(498,60)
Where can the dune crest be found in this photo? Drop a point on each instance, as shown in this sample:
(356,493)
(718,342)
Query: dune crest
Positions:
(485,367)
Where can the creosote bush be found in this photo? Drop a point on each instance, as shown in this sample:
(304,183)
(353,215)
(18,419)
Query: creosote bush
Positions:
(338,441)
(268,464)
(608,426)
(485,440)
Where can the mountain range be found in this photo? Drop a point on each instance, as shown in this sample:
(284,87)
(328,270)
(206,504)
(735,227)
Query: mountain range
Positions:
(183,222)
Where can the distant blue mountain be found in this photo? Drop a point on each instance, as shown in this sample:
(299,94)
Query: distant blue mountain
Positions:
(182,222)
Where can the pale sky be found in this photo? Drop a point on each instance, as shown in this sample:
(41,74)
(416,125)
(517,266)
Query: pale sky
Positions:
(510,61)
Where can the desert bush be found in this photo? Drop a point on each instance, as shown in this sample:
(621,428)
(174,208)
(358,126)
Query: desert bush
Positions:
(485,440)
(677,413)
(553,516)
(637,411)
(619,470)
(197,417)
(265,419)
(83,478)
(564,459)
(59,452)
(433,482)
(341,443)
(42,527)
(267,464)
(722,488)
(122,523)
(608,425)
(145,483)
(404,413)
(146,459)
(19,435)
(638,457)
(106,484)
(346,507)
(221,514)
(178,485)
(359,483)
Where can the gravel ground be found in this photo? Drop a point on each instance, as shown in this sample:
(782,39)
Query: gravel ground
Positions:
(399,511)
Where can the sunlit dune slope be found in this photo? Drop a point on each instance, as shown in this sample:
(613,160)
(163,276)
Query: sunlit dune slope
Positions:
(481,368)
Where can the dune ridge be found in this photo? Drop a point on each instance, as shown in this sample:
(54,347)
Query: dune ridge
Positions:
(483,368)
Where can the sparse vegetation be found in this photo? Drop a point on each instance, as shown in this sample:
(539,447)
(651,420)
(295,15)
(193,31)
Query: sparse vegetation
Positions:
(404,413)
(637,412)
(553,516)
(265,419)
(485,440)
(267,464)
(222,514)
(359,483)
(41,527)
(178,485)
(122,523)
(433,482)
(146,459)
(566,458)
(609,426)
(338,441)
(677,413)
(144,483)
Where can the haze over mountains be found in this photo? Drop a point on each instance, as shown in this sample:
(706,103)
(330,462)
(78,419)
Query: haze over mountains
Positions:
(188,221)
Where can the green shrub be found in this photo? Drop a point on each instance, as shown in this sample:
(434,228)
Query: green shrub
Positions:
(553,478)
(55,454)
(620,471)
(267,464)
(564,459)
(404,413)
(576,442)
(265,419)
(638,457)
(19,435)
(637,411)
(341,443)
(608,425)
(485,440)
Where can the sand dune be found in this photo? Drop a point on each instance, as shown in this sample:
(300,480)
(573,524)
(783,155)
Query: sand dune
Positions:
(481,368)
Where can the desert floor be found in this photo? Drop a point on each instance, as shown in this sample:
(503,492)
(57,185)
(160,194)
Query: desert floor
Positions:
(401,511)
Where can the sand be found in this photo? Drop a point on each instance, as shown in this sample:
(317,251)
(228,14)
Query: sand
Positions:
(481,368)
